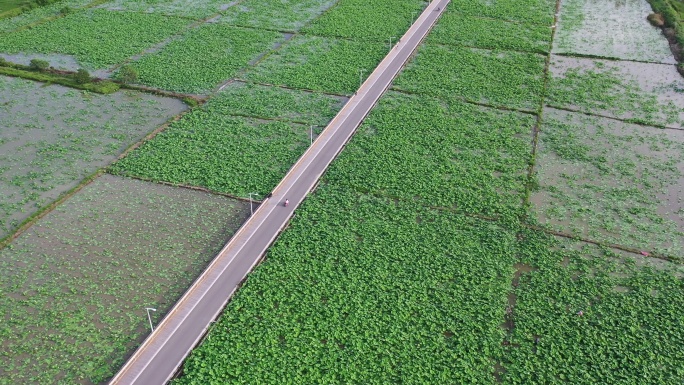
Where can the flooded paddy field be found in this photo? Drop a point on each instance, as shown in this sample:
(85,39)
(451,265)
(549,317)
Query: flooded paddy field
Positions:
(53,137)
(611,29)
(76,284)
(641,92)
(611,181)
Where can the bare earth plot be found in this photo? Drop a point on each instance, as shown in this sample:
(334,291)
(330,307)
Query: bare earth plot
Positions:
(76,284)
(610,29)
(611,181)
(641,92)
(53,137)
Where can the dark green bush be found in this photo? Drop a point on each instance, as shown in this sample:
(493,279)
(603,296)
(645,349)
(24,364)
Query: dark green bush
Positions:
(82,76)
(39,65)
(128,74)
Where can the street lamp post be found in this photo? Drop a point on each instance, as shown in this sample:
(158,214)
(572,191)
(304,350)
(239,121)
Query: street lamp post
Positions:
(390,39)
(312,135)
(251,208)
(361,71)
(148,316)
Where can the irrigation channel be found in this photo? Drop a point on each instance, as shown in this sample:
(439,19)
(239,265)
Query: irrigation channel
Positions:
(165,349)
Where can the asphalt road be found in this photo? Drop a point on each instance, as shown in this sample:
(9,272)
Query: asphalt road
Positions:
(158,358)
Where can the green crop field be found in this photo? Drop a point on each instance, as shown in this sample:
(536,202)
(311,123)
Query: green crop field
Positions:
(203,58)
(360,19)
(320,64)
(97,39)
(281,15)
(479,32)
(498,78)
(509,212)
(228,147)
(408,149)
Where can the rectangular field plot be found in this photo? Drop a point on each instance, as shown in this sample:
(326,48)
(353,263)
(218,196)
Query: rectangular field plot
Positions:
(52,137)
(611,181)
(609,28)
(233,154)
(646,93)
(97,39)
(321,64)
(267,102)
(35,15)
(196,9)
(498,78)
(281,15)
(459,156)
(361,19)
(76,284)
(203,58)
(365,290)
(456,29)
(528,11)
(629,330)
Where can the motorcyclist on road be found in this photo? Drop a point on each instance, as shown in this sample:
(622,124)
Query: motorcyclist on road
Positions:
(287,202)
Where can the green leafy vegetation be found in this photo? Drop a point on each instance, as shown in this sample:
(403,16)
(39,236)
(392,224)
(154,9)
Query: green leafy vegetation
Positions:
(75,286)
(598,316)
(498,78)
(268,102)
(281,15)
(195,9)
(361,19)
(43,154)
(609,181)
(203,58)
(458,156)
(528,11)
(380,292)
(97,39)
(456,29)
(645,93)
(36,15)
(233,154)
(321,64)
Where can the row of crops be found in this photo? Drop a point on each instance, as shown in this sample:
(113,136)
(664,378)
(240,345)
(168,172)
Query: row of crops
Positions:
(418,259)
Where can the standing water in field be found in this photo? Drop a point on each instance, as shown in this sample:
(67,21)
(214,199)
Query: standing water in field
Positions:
(610,28)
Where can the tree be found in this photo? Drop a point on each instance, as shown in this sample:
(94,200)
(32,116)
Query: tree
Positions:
(82,76)
(128,74)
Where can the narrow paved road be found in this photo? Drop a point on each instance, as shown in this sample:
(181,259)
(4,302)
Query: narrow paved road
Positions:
(158,358)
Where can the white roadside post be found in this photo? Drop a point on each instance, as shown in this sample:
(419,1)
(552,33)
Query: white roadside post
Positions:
(251,207)
(148,316)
